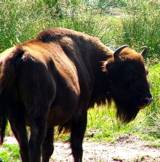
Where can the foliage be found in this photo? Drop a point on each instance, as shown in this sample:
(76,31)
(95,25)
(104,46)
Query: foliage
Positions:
(9,153)
(153,113)
(22,20)
(141,26)
(19,21)
(103,4)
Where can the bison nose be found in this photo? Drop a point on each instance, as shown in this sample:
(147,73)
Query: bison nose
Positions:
(147,100)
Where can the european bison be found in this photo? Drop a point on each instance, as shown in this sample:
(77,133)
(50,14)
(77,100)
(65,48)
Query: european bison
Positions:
(54,79)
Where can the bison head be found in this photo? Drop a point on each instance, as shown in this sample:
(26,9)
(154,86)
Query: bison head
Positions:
(129,87)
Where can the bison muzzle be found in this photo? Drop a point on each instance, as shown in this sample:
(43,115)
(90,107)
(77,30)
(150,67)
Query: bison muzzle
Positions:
(55,78)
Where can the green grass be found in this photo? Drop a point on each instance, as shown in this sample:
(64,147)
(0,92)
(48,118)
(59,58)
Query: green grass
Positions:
(19,21)
(9,153)
(153,113)
(141,26)
(103,4)
(104,126)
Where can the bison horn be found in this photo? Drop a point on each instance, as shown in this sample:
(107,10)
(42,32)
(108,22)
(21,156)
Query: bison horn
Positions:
(117,52)
(145,50)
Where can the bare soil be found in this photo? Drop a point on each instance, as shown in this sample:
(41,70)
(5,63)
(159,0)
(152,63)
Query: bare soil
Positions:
(125,149)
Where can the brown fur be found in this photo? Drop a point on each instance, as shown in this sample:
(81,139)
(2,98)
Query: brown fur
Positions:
(54,79)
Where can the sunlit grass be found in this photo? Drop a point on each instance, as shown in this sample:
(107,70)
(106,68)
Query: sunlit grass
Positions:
(103,124)
(9,153)
(153,114)
(141,26)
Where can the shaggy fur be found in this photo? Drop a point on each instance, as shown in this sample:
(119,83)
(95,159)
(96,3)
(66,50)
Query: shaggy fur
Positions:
(55,78)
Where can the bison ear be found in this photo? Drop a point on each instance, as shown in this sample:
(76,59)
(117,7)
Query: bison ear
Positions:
(145,50)
(117,52)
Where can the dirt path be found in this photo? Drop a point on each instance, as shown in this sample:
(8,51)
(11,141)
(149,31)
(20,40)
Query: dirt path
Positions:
(125,149)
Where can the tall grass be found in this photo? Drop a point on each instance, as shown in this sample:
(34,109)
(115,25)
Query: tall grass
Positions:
(153,113)
(141,26)
(103,125)
(103,4)
(22,20)
(19,21)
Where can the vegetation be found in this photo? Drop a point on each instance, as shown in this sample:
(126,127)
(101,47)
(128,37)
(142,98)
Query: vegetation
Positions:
(115,22)
(9,153)
(142,26)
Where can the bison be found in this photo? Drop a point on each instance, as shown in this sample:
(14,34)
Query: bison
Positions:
(55,78)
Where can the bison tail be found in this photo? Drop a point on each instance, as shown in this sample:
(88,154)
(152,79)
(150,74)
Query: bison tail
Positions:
(8,64)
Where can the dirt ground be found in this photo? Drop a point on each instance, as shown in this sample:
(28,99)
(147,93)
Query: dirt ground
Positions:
(125,149)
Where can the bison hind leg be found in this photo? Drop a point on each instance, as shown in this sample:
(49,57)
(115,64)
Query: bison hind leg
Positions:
(19,129)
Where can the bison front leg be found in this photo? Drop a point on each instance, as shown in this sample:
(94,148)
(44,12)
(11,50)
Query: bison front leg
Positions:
(77,134)
(47,147)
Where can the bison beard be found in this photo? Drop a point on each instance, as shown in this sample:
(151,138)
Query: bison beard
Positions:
(125,112)
(55,78)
